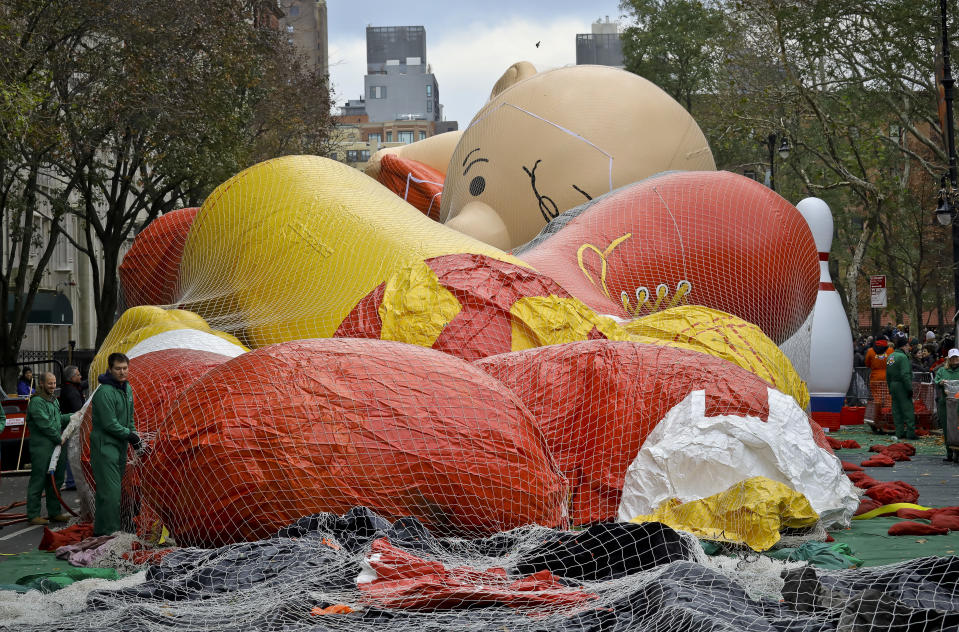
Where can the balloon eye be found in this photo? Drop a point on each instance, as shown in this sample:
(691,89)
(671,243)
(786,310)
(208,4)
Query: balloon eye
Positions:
(477,185)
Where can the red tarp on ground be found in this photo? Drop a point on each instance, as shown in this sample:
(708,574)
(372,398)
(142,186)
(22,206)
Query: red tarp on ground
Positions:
(407,582)
(893,492)
(880,460)
(308,426)
(861,480)
(907,527)
(734,244)
(597,400)
(149,270)
(946,521)
(419,184)
(53,540)
(866,505)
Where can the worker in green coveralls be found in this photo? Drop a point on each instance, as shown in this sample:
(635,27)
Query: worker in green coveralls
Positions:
(947,372)
(112,431)
(899,378)
(45,422)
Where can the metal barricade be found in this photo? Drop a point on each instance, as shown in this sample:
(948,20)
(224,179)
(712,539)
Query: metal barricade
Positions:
(858,393)
(924,400)
(878,413)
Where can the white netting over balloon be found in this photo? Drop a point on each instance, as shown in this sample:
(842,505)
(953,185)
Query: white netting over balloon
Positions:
(534,415)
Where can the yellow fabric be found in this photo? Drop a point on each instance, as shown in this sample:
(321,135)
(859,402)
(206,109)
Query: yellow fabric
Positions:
(538,321)
(139,323)
(724,336)
(415,307)
(751,512)
(285,249)
(887,509)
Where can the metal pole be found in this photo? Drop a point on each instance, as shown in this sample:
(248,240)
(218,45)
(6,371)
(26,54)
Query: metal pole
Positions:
(771,143)
(947,83)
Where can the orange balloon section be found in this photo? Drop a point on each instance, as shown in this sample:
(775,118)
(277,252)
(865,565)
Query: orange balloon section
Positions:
(597,400)
(149,270)
(307,426)
(710,238)
(418,184)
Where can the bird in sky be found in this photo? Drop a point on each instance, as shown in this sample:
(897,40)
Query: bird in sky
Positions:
(538,43)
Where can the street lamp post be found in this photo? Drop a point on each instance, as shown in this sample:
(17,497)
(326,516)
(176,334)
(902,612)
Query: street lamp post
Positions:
(784,148)
(945,213)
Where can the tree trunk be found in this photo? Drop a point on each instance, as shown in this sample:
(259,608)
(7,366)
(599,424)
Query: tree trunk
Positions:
(852,275)
(107,301)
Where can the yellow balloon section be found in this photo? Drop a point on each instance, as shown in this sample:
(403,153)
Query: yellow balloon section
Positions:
(285,249)
(141,322)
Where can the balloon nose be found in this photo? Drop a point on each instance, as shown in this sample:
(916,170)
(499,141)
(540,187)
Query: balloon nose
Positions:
(479,220)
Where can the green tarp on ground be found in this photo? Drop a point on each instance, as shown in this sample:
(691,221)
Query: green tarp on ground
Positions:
(869,542)
(931,444)
(41,570)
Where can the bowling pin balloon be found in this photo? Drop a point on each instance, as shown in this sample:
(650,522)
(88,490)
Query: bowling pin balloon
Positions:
(831,349)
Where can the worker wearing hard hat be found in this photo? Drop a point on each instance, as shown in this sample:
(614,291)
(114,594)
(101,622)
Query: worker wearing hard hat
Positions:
(947,372)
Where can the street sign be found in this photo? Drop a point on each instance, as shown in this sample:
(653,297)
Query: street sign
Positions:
(877,291)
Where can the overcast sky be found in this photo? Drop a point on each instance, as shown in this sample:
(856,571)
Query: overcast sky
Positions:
(468,44)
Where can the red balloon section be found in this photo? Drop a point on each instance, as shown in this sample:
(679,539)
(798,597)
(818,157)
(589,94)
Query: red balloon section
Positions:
(325,425)
(418,184)
(709,238)
(150,269)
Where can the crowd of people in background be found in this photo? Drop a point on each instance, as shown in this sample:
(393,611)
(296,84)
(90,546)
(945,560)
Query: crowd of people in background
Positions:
(927,354)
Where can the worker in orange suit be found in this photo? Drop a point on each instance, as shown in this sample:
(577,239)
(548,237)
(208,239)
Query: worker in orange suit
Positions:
(876,358)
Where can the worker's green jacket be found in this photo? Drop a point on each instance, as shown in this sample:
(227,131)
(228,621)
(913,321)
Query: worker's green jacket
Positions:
(112,414)
(899,369)
(943,374)
(45,421)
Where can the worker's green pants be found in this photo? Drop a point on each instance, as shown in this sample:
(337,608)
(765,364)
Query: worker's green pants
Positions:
(941,412)
(903,414)
(40,452)
(108,460)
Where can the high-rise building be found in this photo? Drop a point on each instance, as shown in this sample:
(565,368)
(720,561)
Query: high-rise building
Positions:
(305,24)
(399,84)
(400,102)
(602,47)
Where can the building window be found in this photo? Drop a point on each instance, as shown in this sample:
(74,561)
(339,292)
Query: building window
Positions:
(375,138)
(429,90)
(405,137)
(389,137)
(429,105)
(294,11)
(422,135)
(353,155)
(334,156)
(289,28)
(377,92)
